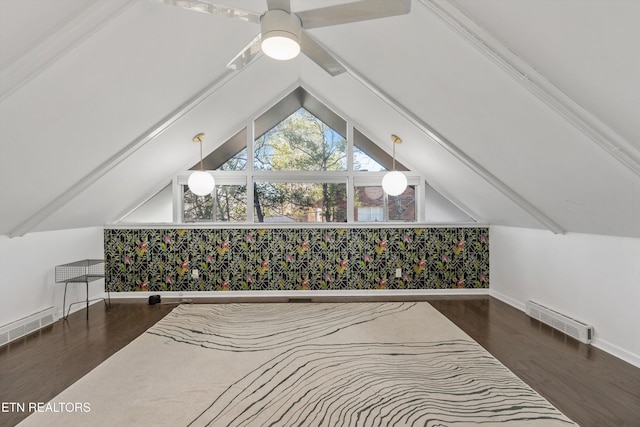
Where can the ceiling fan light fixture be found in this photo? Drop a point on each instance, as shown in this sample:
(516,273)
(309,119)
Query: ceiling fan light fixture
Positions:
(280,47)
(281,33)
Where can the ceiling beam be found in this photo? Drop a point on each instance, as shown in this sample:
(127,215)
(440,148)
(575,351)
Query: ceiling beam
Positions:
(536,83)
(385,155)
(454,150)
(55,45)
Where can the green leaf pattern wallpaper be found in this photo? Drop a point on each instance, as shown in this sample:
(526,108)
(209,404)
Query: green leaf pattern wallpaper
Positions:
(157,260)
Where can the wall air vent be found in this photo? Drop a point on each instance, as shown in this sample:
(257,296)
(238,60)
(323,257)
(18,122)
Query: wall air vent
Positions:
(572,327)
(26,325)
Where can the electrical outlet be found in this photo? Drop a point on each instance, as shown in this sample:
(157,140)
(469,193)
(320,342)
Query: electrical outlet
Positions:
(398,272)
(195,273)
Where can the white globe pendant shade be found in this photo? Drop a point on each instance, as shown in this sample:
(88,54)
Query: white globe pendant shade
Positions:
(201,183)
(394,183)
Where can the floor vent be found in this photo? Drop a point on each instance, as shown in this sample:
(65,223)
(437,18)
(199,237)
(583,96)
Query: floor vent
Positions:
(572,327)
(26,325)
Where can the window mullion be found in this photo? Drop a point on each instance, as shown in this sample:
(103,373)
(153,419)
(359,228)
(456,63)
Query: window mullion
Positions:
(178,201)
(350,178)
(249,170)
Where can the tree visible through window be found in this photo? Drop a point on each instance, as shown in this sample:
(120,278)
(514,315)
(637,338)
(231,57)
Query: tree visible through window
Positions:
(300,202)
(230,202)
(236,163)
(301,142)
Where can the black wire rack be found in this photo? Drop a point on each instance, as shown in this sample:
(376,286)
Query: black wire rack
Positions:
(80,271)
(83,271)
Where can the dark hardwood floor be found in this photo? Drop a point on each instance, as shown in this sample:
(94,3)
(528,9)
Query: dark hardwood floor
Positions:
(590,386)
(38,367)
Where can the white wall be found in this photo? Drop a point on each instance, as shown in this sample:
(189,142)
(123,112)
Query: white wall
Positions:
(157,209)
(439,209)
(27,265)
(595,279)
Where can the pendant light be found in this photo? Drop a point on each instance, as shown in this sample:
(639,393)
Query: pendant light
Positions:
(395,182)
(201,183)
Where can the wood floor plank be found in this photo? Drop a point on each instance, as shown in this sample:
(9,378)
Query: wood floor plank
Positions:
(38,367)
(587,384)
(590,386)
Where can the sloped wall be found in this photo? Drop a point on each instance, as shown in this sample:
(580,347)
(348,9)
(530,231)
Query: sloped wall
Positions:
(591,278)
(27,265)
(296,259)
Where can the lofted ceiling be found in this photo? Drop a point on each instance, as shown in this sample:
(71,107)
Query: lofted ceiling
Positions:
(521,112)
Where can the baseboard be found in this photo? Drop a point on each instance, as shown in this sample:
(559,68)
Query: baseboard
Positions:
(616,351)
(78,305)
(330,295)
(508,300)
(603,345)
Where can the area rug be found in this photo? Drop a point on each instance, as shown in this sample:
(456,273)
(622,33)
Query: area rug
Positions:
(296,364)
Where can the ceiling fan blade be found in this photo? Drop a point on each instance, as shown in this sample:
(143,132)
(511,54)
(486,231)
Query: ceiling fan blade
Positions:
(321,56)
(363,10)
(214,9)
(246,55)
(279,5)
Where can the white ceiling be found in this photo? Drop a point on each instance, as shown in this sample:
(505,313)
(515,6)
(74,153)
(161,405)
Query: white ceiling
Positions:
(586,48)
(524,112)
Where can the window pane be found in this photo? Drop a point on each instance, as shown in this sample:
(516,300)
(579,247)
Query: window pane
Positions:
(236,163)
(231,203)
(301,142)
(196,208)
(300,202)
(402,207)
(372,204)
(369,203)
(370,214)
(364,163)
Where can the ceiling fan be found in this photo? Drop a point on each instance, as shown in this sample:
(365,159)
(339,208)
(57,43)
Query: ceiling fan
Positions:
(283,33)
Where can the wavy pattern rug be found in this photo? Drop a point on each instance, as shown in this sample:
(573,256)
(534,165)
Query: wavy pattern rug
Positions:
(356,364)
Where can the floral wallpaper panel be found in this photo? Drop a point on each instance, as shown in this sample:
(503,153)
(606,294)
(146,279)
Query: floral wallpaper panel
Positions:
(293,259)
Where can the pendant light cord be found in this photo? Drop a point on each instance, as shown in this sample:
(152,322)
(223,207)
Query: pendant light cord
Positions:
(393,168)
(201,166)
(198,138)
(396,140)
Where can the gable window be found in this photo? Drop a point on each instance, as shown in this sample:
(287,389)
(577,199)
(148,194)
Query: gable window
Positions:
(299,167)
(227,203)
(301,142)
(236,163)
(196,208)
(362,162)
(369,213)
(300,202)
(372,204)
